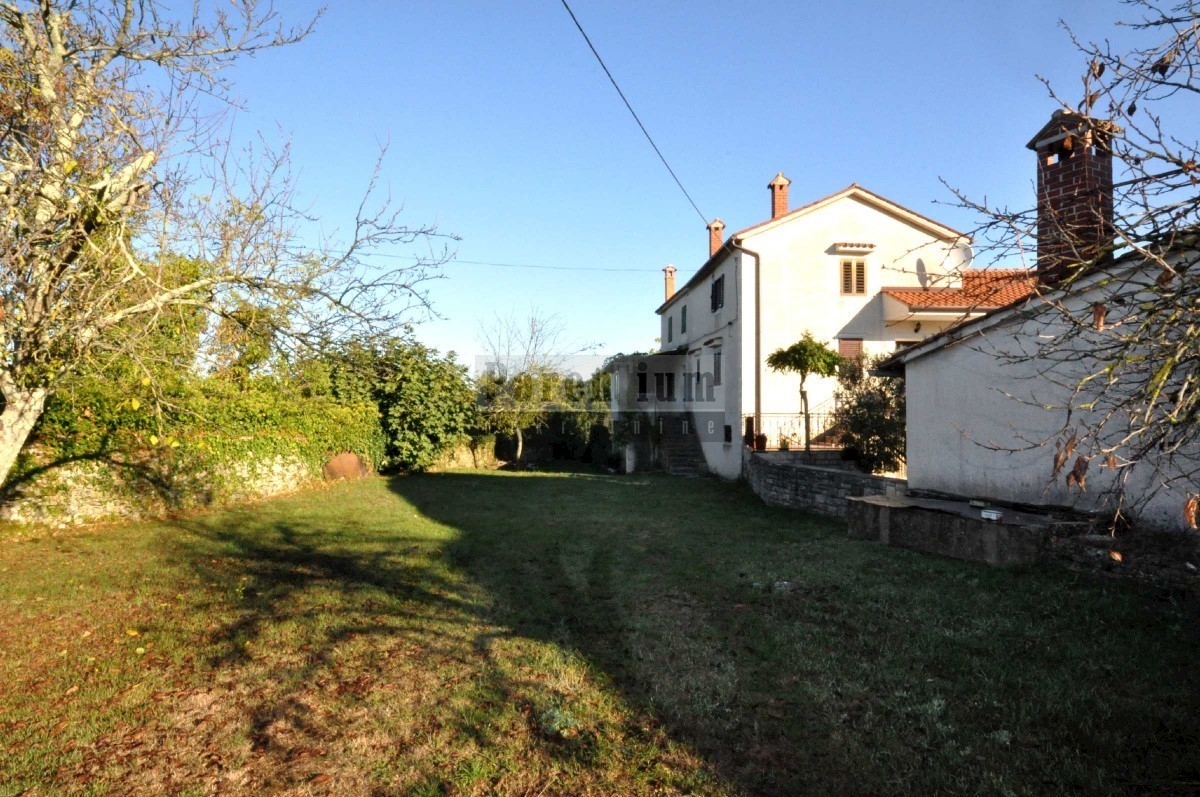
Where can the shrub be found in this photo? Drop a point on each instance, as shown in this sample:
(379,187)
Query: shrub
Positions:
(426,401)
(870,416)
(189,440)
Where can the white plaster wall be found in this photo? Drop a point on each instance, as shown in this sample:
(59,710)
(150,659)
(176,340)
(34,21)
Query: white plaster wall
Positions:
(703,323)
(801,287)
(708,332)
(801,291)
(978,423)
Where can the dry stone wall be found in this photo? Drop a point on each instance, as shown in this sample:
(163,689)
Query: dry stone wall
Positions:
(781,479)
(88,492)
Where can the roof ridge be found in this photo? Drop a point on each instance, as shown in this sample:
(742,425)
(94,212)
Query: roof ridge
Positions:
(846,191)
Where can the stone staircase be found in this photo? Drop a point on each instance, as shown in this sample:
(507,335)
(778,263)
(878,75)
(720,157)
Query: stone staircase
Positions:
(679,450)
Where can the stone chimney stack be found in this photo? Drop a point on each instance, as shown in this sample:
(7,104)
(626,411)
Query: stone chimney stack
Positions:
(716,237)
(1074,195)
(779,195)
(668,282)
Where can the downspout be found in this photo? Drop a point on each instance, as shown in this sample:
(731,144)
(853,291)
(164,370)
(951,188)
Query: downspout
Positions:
(757,333)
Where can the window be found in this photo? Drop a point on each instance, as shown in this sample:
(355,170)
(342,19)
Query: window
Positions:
(854,277)
(718,294)
(642,389)
(716,367)
(670,329)
(683,321)
(850,348)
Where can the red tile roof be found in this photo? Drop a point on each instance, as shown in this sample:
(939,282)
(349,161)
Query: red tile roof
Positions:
(981,289)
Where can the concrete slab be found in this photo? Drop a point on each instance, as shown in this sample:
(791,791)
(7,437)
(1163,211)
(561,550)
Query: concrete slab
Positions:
(954,528)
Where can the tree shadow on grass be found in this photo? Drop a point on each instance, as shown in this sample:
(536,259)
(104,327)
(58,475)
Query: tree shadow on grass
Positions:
(603,567)
(308,629)
(362,648)
(795,661)
(440,650)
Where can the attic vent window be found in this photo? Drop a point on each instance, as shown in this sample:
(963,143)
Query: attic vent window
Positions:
(854,277)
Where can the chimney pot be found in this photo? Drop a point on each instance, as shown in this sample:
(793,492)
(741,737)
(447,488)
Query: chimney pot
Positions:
(716,238)
(779,195)
(668,282)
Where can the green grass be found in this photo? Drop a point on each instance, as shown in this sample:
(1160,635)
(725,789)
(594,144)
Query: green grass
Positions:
(551,634)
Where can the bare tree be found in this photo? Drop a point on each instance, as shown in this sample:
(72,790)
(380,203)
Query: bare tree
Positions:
(113,170)
(525,375)
(1115,330)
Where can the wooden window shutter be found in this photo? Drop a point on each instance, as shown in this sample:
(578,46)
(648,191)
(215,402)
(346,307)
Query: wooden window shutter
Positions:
(850,348)
(854,277)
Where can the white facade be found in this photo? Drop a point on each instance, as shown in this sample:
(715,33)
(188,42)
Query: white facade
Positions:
(986,405)
(783,278)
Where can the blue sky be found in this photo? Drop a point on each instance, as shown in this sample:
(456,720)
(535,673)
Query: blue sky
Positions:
(503,129)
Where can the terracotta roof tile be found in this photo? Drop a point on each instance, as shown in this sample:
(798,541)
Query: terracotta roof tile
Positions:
(981,289)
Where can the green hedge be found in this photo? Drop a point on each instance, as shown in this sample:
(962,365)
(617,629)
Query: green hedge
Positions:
(190,440)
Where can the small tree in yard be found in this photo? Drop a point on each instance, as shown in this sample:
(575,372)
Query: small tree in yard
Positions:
(805,356)
(870,416)
(111,176)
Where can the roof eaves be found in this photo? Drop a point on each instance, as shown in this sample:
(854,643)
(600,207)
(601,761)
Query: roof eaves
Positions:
(708,266)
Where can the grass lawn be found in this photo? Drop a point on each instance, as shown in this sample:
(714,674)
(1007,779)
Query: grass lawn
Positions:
(545,634)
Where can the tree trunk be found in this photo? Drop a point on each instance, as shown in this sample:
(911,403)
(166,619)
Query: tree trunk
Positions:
(22,408)
(807,431)
(520,444)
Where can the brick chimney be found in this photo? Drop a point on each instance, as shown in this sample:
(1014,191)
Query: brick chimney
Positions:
(668,282)
(779,197)
(716,237)
(1074,194)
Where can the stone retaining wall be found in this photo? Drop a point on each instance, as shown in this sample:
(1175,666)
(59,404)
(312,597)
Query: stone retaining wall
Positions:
(468,455)
(88,492)
(783,479)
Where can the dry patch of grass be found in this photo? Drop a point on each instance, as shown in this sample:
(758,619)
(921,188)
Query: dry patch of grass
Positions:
(477,634)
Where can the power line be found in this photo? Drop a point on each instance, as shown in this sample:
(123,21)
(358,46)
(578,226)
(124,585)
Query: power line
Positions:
(513,265)
(645,132)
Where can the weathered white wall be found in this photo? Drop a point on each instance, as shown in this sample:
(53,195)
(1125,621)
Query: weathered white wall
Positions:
(978,422)
(800,290)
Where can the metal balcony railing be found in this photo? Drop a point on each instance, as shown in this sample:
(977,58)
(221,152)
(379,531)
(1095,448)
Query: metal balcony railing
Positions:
(786,431)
